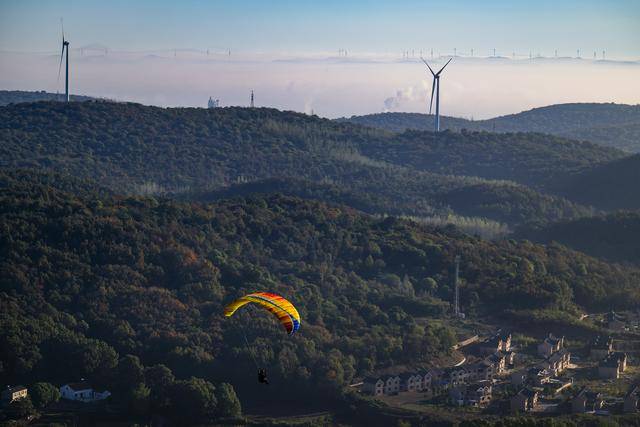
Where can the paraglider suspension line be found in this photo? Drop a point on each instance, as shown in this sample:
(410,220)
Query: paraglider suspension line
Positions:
(246,341)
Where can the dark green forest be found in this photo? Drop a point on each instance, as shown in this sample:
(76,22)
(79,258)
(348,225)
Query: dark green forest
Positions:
(611,125)
(97,285)
(147,150)
(608,186)
(613,236)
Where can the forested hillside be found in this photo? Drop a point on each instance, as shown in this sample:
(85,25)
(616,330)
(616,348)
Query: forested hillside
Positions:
(613,237)
(89,279)
(611,125)
(147,150)
(608,186)
(531,159)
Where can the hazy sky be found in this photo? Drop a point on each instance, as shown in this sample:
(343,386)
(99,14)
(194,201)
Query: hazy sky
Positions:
(287,52)
(312,25)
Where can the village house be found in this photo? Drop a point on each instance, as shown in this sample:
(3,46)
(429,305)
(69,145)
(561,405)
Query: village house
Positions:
(498,361)
(499,342)
(540,377)
(631,400)
(457,375)
(586,401)
(432,381)
(601,347)
(83,391)
(410,382)
(392,385)
(550,345)
(509,357)
(612,366)
(622,357)
(11,394)
(557,362)
(534,376)
(373,386)
(479,371)
(478,394)
(524,401)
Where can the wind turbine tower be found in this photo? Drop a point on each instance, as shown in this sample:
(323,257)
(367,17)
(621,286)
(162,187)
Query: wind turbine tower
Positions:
(436,88)
(456,301)
(65,45)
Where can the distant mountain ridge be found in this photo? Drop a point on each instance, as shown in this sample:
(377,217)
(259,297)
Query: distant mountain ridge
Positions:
(612,125)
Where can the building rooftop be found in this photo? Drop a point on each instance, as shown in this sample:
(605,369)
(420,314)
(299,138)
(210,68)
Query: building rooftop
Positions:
(15,389)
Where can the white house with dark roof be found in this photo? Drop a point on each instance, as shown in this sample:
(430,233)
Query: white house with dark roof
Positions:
(83,391)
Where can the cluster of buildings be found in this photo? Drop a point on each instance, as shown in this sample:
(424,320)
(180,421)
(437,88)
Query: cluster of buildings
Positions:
(610,363)
(468,384)
(538,385)
(81,391)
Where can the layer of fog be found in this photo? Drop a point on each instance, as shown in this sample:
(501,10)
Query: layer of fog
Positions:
(328,86)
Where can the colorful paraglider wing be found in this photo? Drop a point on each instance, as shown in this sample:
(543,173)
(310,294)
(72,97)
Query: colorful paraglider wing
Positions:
(283,309)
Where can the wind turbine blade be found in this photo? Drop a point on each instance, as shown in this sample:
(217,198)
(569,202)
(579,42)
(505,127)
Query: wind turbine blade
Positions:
(60,66)
(438,73)
(433,89)
(425,63)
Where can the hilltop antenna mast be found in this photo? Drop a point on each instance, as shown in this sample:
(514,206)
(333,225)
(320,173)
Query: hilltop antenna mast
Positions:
(456,301)
(252,105)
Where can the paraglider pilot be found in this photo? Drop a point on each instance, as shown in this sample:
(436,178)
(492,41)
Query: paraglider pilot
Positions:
(262,377)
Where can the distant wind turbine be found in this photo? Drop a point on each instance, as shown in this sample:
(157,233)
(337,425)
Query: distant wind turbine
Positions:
(65,45)
(436,88)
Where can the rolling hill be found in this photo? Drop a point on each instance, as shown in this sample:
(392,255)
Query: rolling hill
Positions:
(137,149)
(608,186)
(20,96)
(611,125)
(613,237)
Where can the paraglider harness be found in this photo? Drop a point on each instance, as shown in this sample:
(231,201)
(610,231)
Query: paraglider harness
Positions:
(262,373)
(262,377)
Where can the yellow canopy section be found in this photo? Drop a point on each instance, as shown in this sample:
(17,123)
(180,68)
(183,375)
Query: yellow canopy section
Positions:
(279,306)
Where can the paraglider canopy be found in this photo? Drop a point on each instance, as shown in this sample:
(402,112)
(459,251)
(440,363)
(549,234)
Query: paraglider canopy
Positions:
(279,306)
